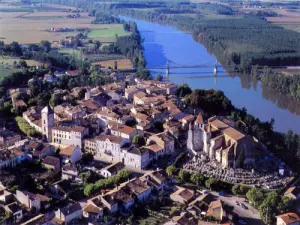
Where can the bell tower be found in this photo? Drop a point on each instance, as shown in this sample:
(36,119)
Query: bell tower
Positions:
(47,122)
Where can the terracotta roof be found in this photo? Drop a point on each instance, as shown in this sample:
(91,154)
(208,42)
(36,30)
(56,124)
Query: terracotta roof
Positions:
(51,160)
(289,218)
(70,129)
(186,194)
(199,119)
(90,208)
(110,138)
(226,129)
(188,117)
(68,151)
(154,147)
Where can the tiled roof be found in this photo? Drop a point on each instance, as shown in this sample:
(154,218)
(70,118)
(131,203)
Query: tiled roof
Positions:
(289,218)
(68,151)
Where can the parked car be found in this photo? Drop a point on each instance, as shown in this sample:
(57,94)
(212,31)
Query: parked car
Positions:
(236,202)
(204,192)
(244,206)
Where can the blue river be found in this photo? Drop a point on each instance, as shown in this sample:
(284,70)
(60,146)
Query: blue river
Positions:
(163,43)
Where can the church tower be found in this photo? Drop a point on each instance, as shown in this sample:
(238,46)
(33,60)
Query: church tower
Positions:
(190,140)
(47,122)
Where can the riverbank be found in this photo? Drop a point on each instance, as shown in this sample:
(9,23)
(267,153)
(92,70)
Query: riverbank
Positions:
(162,43)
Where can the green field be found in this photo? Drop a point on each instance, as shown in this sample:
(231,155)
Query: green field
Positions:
(109,34)
(4,72)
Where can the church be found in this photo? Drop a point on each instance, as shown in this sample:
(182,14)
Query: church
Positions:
(219,140)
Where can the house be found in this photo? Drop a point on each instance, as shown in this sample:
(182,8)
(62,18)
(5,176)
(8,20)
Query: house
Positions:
(123,131)
(112,169)
(216,210)
(293,192)
(140,188)
(288,219)
(8,138)
(158,179)
(69,213)
(69,135)
(93,212)
(182,195)
(70,172)
(59,190)
(15,210)
(161,144)
(136,157)
(52,163)
(6,197)
(70,154)
(10,158)
(33,201)
(42,151)
(108,146)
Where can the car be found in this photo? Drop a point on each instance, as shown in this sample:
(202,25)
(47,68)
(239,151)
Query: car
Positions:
(221,193)
(204,192)
(242,222)
(244,206)
(236,202)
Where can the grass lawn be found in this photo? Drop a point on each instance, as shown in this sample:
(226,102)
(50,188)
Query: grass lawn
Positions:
(68,51)
(108,34)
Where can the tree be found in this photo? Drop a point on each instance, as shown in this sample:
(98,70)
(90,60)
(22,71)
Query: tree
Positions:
(285,204)
(88,190)
(45,46)
(267,209)
(255,196)
(183,90)
(171,170)
(23,63)
(239,189)
(159,77)
(210,183)
(197,178)
(184,176)
(138,140)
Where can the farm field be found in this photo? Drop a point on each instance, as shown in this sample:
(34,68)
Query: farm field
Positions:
(122,63)
(287,19)
(10,61)
(108,34)
(29,28)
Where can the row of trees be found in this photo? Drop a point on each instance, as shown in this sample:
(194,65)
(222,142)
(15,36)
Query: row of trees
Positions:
(109,182)
(26,128)
(269,204)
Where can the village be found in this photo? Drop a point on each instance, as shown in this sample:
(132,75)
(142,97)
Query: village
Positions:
(114,150)
(88,135)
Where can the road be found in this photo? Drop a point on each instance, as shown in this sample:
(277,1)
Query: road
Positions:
(250,216)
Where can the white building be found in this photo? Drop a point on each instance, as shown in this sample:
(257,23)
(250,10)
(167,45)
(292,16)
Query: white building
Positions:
(69,213)
(71,154)
(72,135)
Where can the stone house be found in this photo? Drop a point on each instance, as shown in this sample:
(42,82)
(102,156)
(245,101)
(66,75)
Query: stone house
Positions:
(73,135)
(69,213)
(182,195)
(70,154)
(70,172)
(92,212)
(31,200)
(8,138)
(52,163)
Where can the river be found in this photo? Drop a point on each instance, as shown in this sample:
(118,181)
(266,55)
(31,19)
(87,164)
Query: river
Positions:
(162,43)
